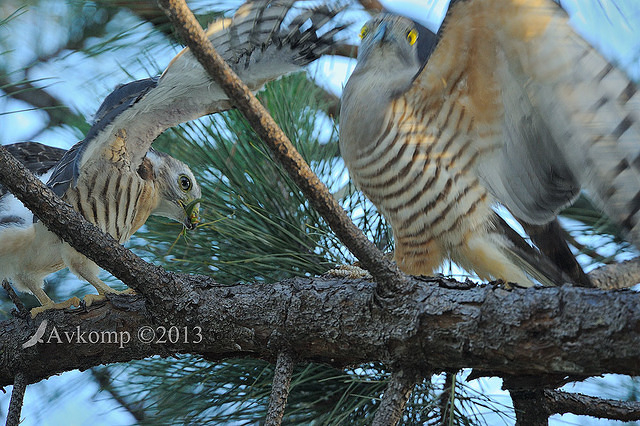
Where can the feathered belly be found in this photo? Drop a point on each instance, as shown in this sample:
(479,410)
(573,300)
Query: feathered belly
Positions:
(426,188)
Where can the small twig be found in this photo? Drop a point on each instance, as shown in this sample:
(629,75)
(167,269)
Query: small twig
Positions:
(559,402)
(279,389)
(390,280)
(22,310)
(104,379)
(395,398)
(17,398)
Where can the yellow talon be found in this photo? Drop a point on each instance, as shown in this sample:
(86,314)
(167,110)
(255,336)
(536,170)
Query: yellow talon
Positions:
(74,301)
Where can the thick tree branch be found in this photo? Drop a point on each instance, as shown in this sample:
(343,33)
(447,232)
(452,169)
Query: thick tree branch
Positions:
(389,278)
(562,331)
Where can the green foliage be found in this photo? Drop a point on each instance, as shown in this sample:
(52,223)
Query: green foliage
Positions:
(256,224)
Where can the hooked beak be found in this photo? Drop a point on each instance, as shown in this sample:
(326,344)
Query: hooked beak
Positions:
(380,34)
(192,216)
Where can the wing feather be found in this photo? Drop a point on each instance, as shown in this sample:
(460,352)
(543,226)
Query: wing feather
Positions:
(252,42)
(39,159)
(564,117)
(36,157)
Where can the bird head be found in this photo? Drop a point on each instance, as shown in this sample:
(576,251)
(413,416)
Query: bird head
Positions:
(179,192)
(394,41)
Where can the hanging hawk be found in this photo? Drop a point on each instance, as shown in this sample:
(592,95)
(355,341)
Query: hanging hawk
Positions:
(506,105)
(114,178)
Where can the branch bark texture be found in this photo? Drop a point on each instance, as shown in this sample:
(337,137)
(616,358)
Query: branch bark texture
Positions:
(279,389)
(555,331)
(395,398)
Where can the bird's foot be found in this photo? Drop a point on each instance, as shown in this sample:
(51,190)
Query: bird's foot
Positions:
(90,299)
(74,301)
(349,271)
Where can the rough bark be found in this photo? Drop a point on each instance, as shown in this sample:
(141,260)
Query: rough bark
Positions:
(395,398)
(17,398)
(442,323)
(564,402)
(615,276)
(529,407)
(279,389)
(554,331)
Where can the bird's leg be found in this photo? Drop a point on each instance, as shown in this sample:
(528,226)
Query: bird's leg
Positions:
(45,300)
(103,289)
(86,269)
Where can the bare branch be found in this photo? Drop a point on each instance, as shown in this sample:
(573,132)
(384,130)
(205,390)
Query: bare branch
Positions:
(565,402)
(17,397)
(395,398)
(617,275)
(280,389)
(22,310)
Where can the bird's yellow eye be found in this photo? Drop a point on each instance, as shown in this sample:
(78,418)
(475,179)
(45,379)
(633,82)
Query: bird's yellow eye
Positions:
(364,31)
(184,182)
(412,36)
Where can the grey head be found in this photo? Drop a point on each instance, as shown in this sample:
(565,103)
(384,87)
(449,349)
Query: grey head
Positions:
(394,50)
(395,42)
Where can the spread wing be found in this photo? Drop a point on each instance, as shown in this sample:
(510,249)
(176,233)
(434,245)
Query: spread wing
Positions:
(39,159)
(36,157)
(547,115)
(257,44)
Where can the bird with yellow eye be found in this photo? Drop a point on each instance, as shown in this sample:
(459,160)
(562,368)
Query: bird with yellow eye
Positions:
(508,107)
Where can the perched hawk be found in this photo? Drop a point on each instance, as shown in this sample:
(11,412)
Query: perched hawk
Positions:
(108,193)
(507,104)
(114,178)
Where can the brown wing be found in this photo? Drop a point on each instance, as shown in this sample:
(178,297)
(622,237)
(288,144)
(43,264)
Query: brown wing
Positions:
(547,114)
